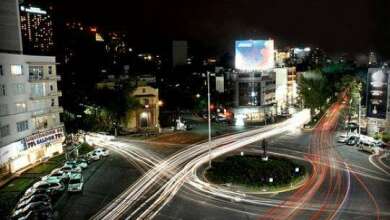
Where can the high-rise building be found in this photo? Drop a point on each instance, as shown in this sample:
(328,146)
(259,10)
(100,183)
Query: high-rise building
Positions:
(37,30)
(179,53)
(10,37)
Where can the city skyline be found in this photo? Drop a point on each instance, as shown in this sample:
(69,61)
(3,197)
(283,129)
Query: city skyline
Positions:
(333,26)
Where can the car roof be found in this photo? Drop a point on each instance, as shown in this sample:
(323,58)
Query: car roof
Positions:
(75,176)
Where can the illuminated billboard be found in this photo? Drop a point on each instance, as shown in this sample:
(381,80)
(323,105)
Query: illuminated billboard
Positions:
(254,55)
(377,92)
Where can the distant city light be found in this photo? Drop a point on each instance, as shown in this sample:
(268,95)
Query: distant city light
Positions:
(34,10)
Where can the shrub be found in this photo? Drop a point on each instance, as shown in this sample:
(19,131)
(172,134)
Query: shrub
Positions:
(252,171)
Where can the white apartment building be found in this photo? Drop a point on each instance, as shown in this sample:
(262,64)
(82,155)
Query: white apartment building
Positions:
(286,93)
(30,126)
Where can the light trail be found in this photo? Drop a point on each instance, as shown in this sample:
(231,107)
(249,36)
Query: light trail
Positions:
(182,164)
(163,178)
(324,167)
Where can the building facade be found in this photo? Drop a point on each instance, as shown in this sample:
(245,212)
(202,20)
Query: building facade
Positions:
(378,100)
(147,116)
(255,95)
(37,30)
(30,126)
(10,37)
(179,53)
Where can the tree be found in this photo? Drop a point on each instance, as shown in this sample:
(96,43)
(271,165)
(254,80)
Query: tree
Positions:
(314,91)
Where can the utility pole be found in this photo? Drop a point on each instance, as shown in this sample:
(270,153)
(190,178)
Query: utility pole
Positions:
(209,115)
(359,114)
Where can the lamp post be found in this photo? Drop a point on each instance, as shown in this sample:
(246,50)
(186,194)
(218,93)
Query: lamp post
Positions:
(209,115)
(359,114)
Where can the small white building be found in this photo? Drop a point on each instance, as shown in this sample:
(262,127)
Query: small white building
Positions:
(147,116)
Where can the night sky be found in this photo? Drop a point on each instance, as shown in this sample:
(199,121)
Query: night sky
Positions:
(334,25)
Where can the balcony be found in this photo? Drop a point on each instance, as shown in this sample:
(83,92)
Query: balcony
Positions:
(45,126)
(41,78)
(47,96)
(47,111)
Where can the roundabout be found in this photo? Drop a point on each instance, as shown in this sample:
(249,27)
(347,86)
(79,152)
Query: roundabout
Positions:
(252,174)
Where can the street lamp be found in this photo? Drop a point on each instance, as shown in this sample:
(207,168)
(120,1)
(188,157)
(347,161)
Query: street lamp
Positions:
(359,114)
(209,115)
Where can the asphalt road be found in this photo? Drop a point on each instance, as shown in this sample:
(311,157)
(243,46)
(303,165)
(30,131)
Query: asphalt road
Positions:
(104,180)
(367,196)
(187,205)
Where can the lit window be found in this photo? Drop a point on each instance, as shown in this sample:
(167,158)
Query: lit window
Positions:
(16,70)
(21,107)
(22,126)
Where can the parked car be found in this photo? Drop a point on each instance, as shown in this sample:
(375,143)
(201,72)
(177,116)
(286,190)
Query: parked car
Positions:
(74,165)
(76,183)
(38,214)
(35,206)
(343,138)
(34,191)
(57,177)
(93,156)
(102,152)
(34,198)
(71,168)
(52,187)
(40,185)
(83,163)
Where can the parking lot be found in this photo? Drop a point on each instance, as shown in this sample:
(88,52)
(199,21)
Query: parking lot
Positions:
(102,180)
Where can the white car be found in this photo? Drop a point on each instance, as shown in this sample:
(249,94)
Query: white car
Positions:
(93,155)
(56,176)
(102,152)
(370,148)
(43,185)
(74,165)
(343,138)
(76,183)
(83,163)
